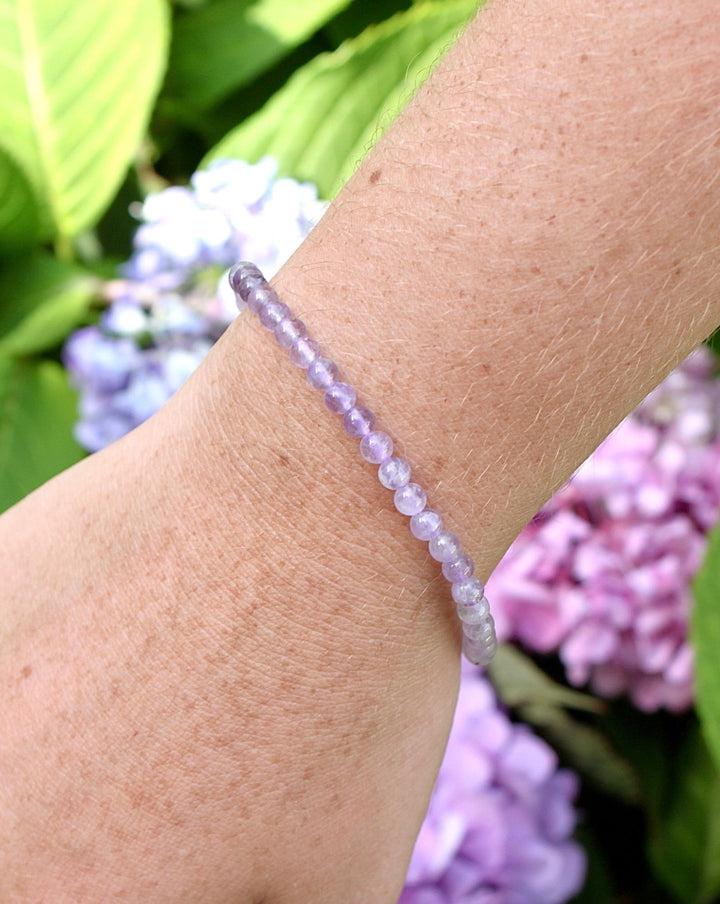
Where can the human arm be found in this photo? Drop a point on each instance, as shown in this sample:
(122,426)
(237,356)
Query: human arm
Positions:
(242,667)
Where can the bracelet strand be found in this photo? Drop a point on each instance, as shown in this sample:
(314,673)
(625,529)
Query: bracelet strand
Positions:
(376,447)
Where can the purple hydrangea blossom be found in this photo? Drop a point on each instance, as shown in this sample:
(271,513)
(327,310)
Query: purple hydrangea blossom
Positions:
(173,300)
(603,573)
(500,821)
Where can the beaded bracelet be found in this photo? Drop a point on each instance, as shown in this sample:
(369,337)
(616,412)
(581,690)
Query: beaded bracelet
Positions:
(376,446)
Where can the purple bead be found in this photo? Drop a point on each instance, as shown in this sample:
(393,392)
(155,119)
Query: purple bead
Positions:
(474,613)
(410,499)
(426,524)
(288,331)
(322,373)
(376,447)
(394,473)
(339,398)
(459,569)
(304,351)
(479,652)
(482,632)
(261,295)
(445,547)
(469,592)
(243,277)
(272,313)
(358,421)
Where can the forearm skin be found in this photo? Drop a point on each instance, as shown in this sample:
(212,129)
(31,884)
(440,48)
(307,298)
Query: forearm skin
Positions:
(228,669)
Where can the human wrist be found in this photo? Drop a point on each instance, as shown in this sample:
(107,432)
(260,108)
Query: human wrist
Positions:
(394,472)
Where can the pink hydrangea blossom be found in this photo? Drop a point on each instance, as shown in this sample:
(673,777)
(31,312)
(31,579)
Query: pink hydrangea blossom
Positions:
(603,573)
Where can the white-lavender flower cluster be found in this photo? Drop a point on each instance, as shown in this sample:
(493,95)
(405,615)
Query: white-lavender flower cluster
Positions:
(500,822)
(172,301)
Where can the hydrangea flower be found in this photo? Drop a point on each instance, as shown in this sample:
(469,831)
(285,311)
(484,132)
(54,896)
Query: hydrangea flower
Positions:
(603,573)
(500,821)
(173,302)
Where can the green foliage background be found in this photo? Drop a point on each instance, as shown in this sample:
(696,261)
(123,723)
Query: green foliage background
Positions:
(103,102)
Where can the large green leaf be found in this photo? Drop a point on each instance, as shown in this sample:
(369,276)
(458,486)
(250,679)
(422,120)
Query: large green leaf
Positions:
(222,46)
(705,635)
(78,80)
(685,842)
(321,124)
(37,411)
(18,208)
(41,300)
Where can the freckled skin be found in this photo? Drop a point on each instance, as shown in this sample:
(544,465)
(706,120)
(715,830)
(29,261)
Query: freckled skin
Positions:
(243,668)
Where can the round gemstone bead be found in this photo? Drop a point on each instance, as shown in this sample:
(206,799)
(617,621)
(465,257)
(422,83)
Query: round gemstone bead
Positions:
(261,295)
(304,351)
(322,373)
(358,421)
(288,331)
(445,547)
(376,447)
(479,653)
(394,473)
(426,524)
(243,277)
(459,569)
(339,398)
(469,592)
(410,499)
(473,613)
(482,632)
(272,313)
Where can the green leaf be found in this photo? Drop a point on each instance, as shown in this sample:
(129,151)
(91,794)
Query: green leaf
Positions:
(334,108)
(78,80)
(18,208)
(220,47)
(37,411)
(705,636)
(519,681)
(41,300)
(586,749)
(359,16)
(685,844)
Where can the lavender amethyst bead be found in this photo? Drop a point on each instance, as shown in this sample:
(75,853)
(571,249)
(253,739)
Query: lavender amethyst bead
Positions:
(261,295)
(445,547)
(376,447)
(426,524)
(322,373)
(304,351)
(243,277)
(288,331)
(394,473)
(358,421)
(410,499)
(479,652)
(339,398)
(272,313)
(468,592)
(474,613)
(459,569)
(482,632)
